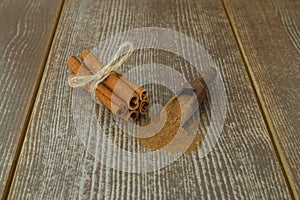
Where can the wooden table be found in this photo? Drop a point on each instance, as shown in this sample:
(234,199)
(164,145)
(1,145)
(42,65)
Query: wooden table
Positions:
(256,47)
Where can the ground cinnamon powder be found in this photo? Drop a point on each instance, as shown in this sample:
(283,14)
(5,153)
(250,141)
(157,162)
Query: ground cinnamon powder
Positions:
(172,128)
(178,111)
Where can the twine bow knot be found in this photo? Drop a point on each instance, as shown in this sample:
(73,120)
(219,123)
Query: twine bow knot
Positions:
(101,75)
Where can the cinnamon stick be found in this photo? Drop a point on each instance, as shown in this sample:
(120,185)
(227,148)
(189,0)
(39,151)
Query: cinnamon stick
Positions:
(139,90)
(199,87)
(132,115)
(113,82)
(144,107)
(117,106)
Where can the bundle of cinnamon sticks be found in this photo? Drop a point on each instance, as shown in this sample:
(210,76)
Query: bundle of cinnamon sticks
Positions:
(124,98)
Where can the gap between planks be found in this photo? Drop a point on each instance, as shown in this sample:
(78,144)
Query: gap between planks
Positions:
(262,106)
(28,115)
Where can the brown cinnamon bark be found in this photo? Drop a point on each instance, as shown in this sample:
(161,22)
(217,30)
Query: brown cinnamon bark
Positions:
(139,90)
(116,105)
(132,115)
(113,82)
(144,107)
(178,112)
(199,87)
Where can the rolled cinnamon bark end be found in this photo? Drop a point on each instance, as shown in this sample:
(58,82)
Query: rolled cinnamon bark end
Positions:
(144,107)
(134,102)
(130,115)
(133,115)
(142,92)
(122,91)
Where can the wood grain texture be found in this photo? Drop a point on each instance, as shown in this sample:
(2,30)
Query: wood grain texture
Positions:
(26,31)
(55,165)
(269,34)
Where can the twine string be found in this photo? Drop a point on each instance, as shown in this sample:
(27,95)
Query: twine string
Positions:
(102,74)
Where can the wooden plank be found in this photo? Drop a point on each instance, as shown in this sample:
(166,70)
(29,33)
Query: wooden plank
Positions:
(55,164)
(269,35)
(26,32)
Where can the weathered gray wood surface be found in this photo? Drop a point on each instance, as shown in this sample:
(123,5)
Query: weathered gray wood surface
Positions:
(54,163)
(269,34)
(26,29)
